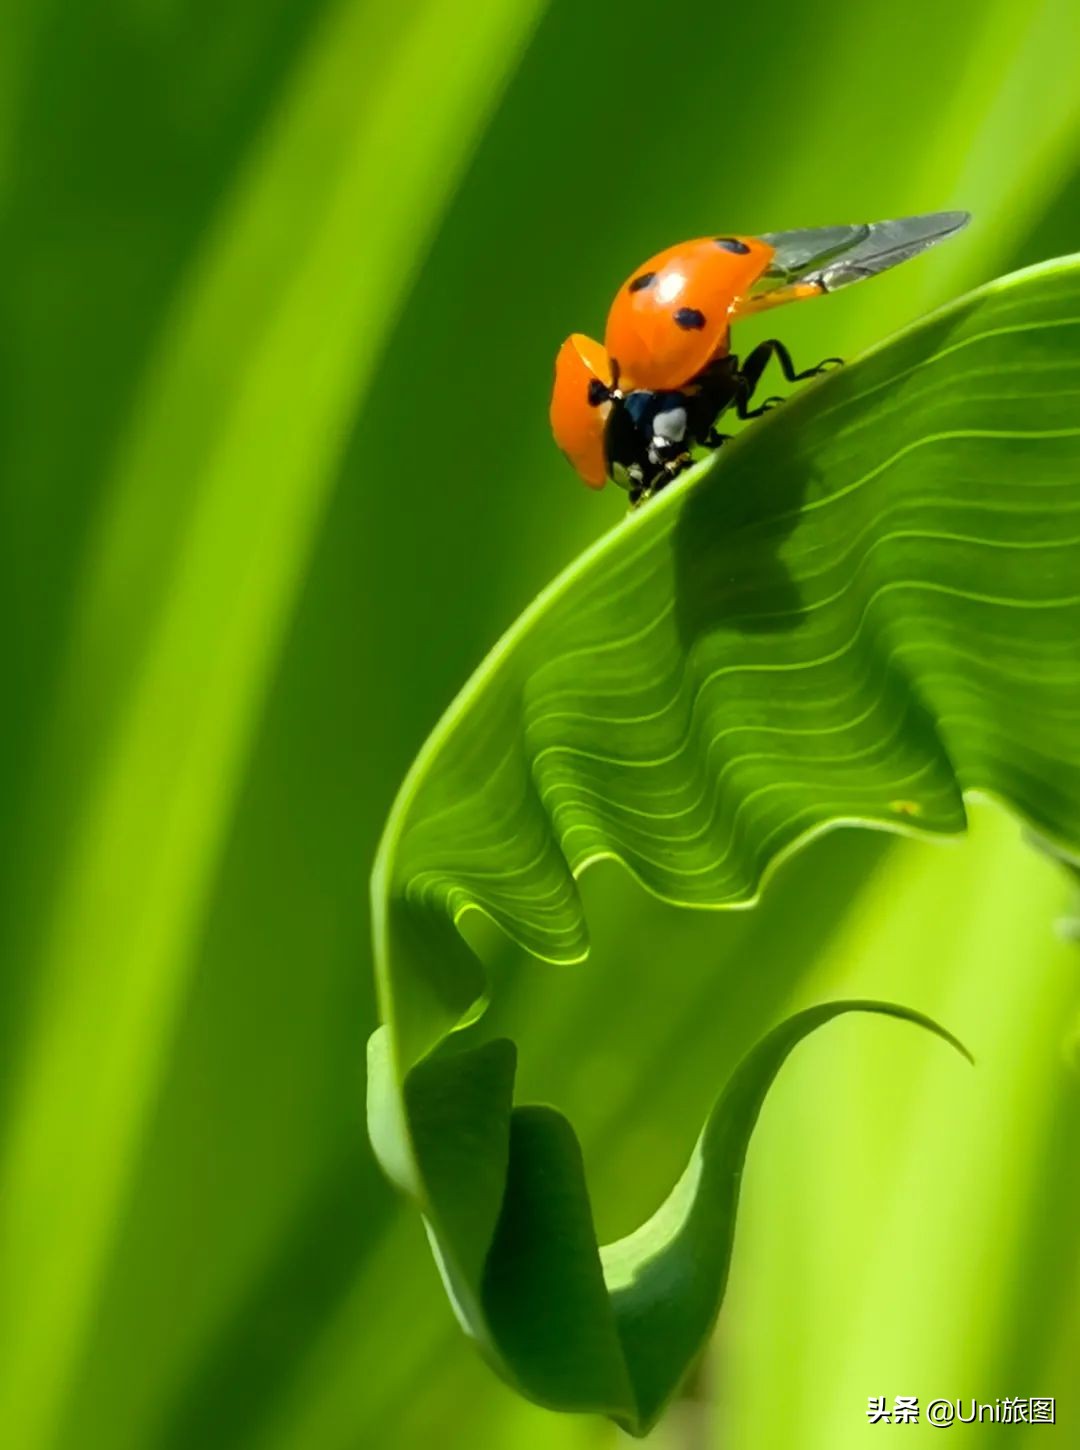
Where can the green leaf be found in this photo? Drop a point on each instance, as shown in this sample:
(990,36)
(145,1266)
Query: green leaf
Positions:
(859,612)
(572,1326)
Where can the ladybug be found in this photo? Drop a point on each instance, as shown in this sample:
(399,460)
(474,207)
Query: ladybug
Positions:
(633,409)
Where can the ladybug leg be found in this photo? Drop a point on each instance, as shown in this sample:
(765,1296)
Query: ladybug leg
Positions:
(757,361)
(713,391)
(671,470)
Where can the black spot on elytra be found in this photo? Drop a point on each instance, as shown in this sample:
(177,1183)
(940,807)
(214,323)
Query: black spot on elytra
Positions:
(690,319)
(639,283)
(598,392)
(732,244)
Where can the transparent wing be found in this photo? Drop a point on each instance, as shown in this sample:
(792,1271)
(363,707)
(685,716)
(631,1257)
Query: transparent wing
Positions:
(827,258)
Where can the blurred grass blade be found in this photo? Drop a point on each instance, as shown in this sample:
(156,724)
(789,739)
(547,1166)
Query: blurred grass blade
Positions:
(185,600)
(862,610)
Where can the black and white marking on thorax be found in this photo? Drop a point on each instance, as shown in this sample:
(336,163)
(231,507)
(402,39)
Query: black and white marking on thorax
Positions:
(668,432)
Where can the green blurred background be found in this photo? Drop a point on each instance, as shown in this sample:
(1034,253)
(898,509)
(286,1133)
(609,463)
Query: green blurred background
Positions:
(282,284)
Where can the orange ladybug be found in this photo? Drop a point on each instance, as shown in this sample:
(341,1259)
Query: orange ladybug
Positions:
(634,409)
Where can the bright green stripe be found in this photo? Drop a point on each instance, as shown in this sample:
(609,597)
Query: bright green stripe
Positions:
(205,542)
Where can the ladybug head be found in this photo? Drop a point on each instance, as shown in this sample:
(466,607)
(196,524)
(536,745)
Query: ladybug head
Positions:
(646,439)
